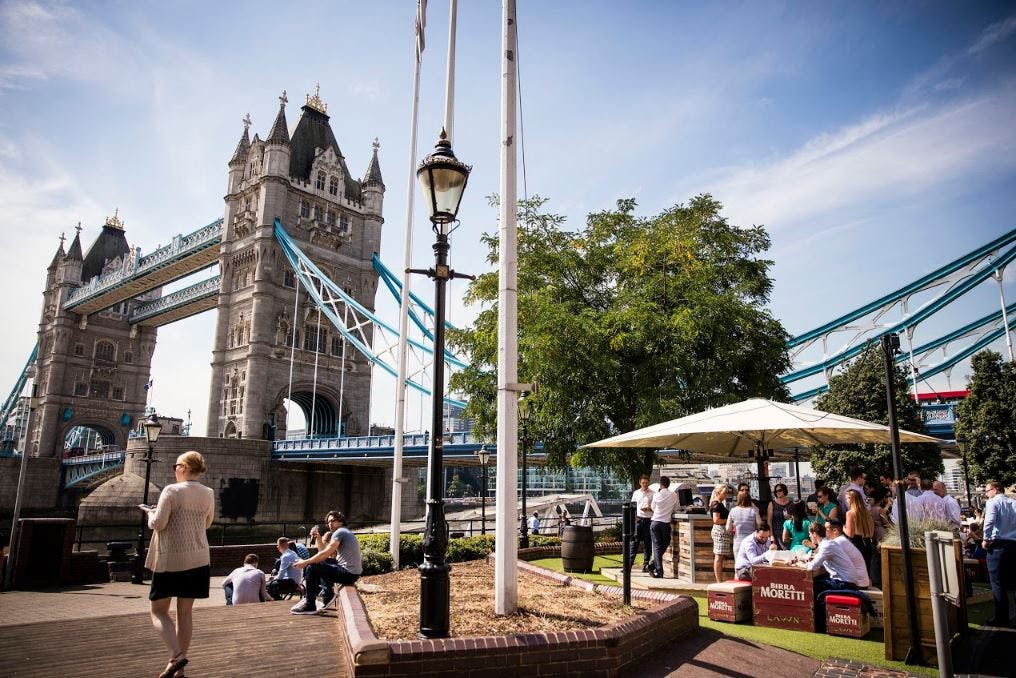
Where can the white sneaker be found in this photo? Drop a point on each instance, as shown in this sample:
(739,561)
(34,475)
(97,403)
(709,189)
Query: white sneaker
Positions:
(303,607)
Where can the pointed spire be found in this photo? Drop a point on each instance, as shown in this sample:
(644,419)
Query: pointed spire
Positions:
(240,154)
(74,253)
(280,131)
(373,175)
(59,253)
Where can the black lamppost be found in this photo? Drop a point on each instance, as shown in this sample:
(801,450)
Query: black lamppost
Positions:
(525,412)
(484,456)
(961,442)
(153,427)
(443,179)
(890,346)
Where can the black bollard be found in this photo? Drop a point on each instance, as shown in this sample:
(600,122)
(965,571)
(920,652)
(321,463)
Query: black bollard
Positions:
(627,528)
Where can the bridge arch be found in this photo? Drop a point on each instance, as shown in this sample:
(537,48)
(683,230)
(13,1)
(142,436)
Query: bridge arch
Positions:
(87,435)
(320,405)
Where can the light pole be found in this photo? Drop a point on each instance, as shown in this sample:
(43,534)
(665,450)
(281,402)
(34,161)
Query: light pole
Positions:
(890,347)
(484,456)
(961,442)
(525,412)
(443,179)
(153,427)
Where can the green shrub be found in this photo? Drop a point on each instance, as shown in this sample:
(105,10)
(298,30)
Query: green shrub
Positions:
(376,562)
(410,547)
(541,540)
(609,535)
(469,548)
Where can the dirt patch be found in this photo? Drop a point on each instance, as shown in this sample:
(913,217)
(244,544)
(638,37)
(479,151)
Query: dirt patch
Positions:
(394,609)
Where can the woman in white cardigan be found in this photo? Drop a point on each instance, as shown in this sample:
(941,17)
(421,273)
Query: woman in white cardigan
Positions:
(178,556)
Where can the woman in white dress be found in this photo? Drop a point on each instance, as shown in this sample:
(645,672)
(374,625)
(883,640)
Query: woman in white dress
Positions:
(743,519)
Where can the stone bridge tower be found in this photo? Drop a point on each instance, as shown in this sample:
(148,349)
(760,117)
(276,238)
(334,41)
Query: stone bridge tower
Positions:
(92,370)
(336,220)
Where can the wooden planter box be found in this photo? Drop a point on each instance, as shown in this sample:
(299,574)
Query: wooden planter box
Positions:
(894,596)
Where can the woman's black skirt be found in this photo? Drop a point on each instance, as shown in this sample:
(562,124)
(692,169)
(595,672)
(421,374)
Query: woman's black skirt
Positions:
(184,584)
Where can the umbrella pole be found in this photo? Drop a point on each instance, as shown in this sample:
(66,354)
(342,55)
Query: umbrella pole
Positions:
(797,471)
(765,492)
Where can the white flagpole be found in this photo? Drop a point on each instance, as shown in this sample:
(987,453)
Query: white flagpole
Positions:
(400,386)
(506,532)
(449,115)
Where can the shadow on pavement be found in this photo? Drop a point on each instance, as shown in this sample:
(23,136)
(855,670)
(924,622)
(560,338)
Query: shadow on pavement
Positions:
(709,653)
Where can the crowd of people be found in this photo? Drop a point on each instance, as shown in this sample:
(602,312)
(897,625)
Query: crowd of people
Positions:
(833,533)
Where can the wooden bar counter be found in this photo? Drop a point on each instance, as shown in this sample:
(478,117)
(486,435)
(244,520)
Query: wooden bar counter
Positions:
(783,597)
(690,556)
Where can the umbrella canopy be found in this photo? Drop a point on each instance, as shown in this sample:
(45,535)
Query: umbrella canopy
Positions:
(754,423)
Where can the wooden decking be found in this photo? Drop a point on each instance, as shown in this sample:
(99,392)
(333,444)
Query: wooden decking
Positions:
(245,640)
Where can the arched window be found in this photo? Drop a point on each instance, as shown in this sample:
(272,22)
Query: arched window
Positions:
(333,185)
(304,209)
(104,350)
(320,183)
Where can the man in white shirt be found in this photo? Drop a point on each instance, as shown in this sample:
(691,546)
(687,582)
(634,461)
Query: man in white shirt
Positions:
(534,523)
(841,559)
(857,477)
(247,583)
(916,507)
(952,506)
(934,506)
(753,552)
(663,504)
(643,500)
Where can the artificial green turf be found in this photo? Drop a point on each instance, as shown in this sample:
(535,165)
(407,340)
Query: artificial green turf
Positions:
(820,646)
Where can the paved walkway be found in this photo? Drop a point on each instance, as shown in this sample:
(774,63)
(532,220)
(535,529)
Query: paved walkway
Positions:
(104,630)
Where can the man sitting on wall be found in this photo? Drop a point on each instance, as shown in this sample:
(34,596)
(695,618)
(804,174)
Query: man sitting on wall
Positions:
(753,552)
(348,566)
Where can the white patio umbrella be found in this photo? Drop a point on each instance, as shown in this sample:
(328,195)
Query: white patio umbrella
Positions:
(755,424)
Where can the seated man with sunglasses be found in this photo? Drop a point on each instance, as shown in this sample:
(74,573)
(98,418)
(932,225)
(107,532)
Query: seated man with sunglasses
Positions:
(348,567)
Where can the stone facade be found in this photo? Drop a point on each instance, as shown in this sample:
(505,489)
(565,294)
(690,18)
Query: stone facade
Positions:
(42,483)
(91,370)
(336,220)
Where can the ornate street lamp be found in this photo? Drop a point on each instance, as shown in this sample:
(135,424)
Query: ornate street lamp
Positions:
(525,413)
(153,427)
(484,456)
(443,179)
(962,443)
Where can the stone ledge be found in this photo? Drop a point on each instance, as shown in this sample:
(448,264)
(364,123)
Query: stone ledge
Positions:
(608,651)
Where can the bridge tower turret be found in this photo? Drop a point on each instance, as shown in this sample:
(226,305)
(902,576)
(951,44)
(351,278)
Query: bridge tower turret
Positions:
(91,370)
(303,180)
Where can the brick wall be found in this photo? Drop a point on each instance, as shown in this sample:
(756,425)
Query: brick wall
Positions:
(613,650)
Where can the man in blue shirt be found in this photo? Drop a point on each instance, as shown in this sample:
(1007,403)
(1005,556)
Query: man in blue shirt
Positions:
(287,579)
(349,565)
(1000,543)
(753,552)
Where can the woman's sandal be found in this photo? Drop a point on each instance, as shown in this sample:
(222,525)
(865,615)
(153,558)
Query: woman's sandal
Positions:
(175,668)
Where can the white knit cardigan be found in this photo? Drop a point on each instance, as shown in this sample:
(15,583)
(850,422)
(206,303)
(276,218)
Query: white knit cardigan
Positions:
(179,542)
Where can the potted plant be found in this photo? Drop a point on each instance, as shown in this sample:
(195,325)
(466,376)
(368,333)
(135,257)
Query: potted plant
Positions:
(894,593)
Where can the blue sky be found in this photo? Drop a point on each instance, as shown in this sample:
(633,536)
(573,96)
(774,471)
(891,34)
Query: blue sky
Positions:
(875,141)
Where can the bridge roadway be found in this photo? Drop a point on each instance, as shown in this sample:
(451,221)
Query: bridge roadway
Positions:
(460,449)
(186,254)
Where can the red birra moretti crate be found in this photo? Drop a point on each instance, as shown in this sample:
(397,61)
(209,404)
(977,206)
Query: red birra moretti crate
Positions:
(846,617)
(784,598)
(730,601)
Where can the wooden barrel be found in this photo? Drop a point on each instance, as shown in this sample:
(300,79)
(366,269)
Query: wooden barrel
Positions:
(577,548)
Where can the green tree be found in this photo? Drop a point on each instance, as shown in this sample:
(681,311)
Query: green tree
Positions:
(627,322)
(987,419)
(458,488)
(859,392)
